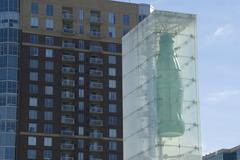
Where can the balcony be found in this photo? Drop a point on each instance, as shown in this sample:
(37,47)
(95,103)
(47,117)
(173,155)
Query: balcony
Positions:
(68,45)
(68,82)
(95,60)
(68,108)
(95,34)
(96,73)
(95,19)
(96,134)
(95,48)
(95,148)
(67,30)
(68,58)
(68,95)
(67,146)
(96,97)
(95,122)
(67,133)
(66,158)
(67,120)
(68,70)
(95,85)
(96,109)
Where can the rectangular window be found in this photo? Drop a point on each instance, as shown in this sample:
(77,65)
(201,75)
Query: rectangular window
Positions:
(49,24)
(48,90)
(112,83)
(49,40)
(34,38)
(112,157)
(126,20)
(81,56)
(112,71)
(80,131)
(112,120)
(32,114)
(81,30)
(81,93)
(31,154)
(112,108)
(48,128)
(81,81)
(34,51)
(112,96)
(112,60)
(49,65)
(33,63)
(47,155)
(81,68)
(81,14)
(33,76)
(33,101)
(81,118)
(34,22)
(81,156)
(112,133)
(112,47)
(111,18)
(32,127)
(32,141)
(47,141)
(34,8)
(49,10)
(112,146)
(48,53)
(81,106)
(111,32)
(81,44)
(33,88)
(48,116)
(48,102)
(48,77)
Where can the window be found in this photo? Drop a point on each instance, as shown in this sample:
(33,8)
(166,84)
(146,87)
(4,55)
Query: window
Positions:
(125,31)
(81,44)
(112,157)
(49,10)
(33,76)
(49,24)
(49,53)
(48,116)
(112,120)
(81,68)
(112,108)
(81,14)
(33,88)
(81,93)
(81,156)
(32,127)
(49,41)
(112,146)
(112,47)
(47,141)
(111,32)
(126,19)
(32,141)
(112,133)
(49,65)
(32,114)
(112,71)
(33,51)
(33,101)
(48,128)
(112,60)
(31,154)
(48,77)
(81,29)
(112,83)
(48,90)
(34,22)
(81,56)
(47,154)
(81,81)
(34,8)
(111,18)
(81,106)
(80,131)
(48,102)
(112,96)
(34,38)
(81,144)
(33,64)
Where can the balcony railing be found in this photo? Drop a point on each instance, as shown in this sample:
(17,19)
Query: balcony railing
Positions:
(68,30)
(96,134)
(95,19)
(67,120)
(68,58)
(95,97)
(67,133)
(68,107)
(68,70)
(68,45)
(95,73)
(96,110)
(96,85)
(95,122)
(94,60)
(68,82)
(66,158)
(67,146)
(68,94)
(96,48)
(95,147)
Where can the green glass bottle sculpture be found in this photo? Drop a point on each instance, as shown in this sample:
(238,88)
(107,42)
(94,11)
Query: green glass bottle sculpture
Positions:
(169,90)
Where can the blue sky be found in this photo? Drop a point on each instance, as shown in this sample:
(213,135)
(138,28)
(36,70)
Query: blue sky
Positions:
(219,75)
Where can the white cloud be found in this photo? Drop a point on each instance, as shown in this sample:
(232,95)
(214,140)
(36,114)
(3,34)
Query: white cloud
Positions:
(224,30)
(221,95)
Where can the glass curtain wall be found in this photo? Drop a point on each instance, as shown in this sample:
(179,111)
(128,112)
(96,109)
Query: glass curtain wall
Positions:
(160,89)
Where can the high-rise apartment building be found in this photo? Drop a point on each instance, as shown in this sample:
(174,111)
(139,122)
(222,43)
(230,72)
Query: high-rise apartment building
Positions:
(61,78)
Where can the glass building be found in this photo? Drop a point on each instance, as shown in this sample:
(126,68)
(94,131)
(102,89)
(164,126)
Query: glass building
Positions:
(160,89)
